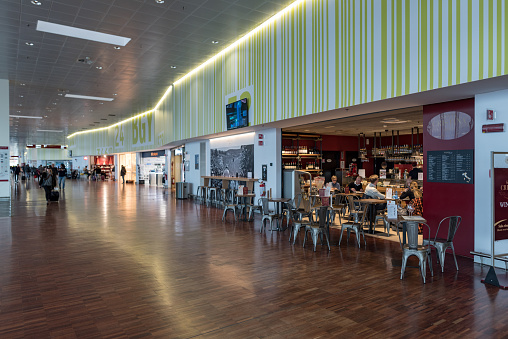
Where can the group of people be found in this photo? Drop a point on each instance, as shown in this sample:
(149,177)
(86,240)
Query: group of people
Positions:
(412,194)
(96,173)
(50,176)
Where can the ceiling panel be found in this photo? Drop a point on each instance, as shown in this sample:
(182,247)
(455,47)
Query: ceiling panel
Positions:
(174,33)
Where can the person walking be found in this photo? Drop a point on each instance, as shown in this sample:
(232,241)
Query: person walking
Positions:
(62,174)
(123,171)
(17,170)
(47,183)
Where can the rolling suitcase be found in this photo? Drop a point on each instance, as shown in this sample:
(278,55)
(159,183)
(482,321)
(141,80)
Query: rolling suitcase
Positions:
(54,196)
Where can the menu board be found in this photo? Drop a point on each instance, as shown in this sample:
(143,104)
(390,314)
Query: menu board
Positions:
(4,163)
(450,166)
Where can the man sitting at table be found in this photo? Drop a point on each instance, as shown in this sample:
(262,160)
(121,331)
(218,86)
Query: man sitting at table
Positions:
(356,186)
(371,189)
(334,185)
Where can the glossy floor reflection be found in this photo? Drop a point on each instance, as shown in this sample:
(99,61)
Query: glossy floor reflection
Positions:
(112,260)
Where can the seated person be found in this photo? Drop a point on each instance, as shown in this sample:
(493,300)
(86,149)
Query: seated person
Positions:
(334,185)
(371,192)
(371,189)
(410,192)
(356,186)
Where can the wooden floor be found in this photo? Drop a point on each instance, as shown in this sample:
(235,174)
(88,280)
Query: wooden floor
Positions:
(120,261)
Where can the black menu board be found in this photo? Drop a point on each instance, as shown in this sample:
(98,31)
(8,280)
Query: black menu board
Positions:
(451,166)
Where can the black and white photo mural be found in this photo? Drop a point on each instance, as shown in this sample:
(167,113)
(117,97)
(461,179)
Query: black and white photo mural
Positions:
(231,162)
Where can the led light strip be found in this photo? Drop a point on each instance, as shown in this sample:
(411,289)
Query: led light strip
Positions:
(118,123)
(212,59)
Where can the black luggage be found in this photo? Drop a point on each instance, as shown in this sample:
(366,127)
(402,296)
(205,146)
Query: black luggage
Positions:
(54,196)
(23,177)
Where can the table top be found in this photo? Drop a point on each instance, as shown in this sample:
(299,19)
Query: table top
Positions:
(372,201)
(249,195)
(351,193)
(402,218)
(228,178)
(279,199)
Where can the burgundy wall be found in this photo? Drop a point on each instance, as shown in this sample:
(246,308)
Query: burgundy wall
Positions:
(443,199)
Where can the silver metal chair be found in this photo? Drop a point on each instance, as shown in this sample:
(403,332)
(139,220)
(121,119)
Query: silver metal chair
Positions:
(267,215)
(302,207)
(230,204)
(337,207)
(293,219)
(441,245)
(354,223)
(412,247)
(320,229)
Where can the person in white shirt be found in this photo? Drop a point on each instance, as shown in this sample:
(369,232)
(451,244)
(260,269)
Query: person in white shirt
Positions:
(371,189)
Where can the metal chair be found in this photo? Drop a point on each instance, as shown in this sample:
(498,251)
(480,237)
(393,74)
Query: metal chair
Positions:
(267,215)
(354,223)
(230,204)
(441,245)
(336,208)
(319,229)
(293,219)
(412,247)
(302,207)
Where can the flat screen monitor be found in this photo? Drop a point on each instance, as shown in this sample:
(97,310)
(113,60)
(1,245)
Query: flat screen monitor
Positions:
(237,114)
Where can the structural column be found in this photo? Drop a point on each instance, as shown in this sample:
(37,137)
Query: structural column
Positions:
(5,190)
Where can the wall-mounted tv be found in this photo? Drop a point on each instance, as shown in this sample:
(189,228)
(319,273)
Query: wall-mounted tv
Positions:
(237,114)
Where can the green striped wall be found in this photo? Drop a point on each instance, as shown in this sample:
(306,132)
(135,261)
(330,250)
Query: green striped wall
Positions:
(331,54)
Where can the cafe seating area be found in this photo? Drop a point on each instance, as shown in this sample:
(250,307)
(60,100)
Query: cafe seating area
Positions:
(328,218)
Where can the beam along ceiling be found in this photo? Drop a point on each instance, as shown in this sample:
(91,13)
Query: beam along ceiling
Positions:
(43,67)
(401,120)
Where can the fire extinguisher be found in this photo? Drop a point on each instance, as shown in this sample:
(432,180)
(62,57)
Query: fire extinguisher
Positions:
(262,189)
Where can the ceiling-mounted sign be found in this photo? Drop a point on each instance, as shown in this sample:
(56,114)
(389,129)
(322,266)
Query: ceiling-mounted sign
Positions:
(153,154)
(493,128)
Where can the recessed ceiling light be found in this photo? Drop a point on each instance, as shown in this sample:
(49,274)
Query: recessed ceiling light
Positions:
(45,116)
(54,103)
(77,96)
(29,43)
(91,110)
(173,67)
(50,130)
(35,2)
(49,27)
(24,116)
(101,103)
(22,84)
(98,67)
(21,96)
(20,105)
(215,42)
(60,94)
(159,1)
(18,111)
(117,47)
(115,94)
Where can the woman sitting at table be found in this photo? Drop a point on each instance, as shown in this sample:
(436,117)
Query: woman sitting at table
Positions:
(410,192)
(334,185)
(356,186)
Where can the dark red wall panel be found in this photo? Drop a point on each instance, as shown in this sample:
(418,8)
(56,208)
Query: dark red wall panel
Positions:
(445,199)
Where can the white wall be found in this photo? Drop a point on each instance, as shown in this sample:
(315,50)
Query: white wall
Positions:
(269,154)
(485,143)
(193,177)
(5,190)
(79,162)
